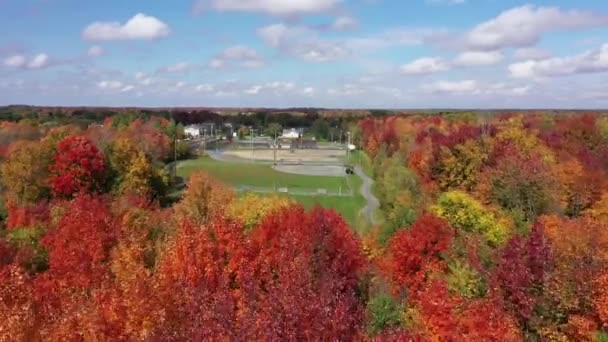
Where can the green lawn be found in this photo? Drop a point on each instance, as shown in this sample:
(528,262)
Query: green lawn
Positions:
(258,175)
(264,176)
(349,207)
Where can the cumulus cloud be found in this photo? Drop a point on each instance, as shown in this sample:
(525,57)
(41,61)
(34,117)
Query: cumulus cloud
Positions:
(239,56)
(95,51)
(112,85)
(343,23)
(531,53)
(395,37)
(39,61)
(302,42)
(426,65)
(178,67)
(140,27)
(204,88)
(271,7)
(16,61)
(276,87)
(457,87)
(587,62)
(507,90)
(523,26)
(446,2)
(479,58)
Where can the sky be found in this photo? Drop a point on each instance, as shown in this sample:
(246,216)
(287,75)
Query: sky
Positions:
(305,53)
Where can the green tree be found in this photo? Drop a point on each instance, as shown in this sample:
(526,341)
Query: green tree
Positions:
(274,130)
(320,129)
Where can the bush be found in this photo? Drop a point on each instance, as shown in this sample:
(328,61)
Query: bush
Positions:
(384,312)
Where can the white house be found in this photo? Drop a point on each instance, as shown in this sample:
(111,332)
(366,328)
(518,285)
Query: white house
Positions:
(196,131)
(292,133)
(193,131)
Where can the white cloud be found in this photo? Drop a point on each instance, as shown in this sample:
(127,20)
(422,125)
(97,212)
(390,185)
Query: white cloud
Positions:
(16,61)
(478,58)
(586,62)
(446,2)
(272,7)
(179,67)
(531,53)
(394,37)
(459,87)
(343,23)
(506,90)
(204,88)
(302,43)
(254,90)
(95,51)
(320,51)
(276,87)
(278,34)
(110,85)
(426,65)
(140,75)
(238,55)
(39,61)
(140,27)
(127,88)
(309,91)
(523,26)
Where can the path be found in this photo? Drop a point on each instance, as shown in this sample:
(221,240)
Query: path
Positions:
(366,191)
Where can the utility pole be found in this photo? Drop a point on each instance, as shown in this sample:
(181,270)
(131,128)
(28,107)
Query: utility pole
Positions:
(275,147)
(252,150)
(348,148)
(204,140)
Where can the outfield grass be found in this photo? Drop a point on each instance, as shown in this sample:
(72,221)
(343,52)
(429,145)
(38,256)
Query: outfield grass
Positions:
(348,207)
(258,175)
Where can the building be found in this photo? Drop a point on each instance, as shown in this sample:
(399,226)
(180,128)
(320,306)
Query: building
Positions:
(292,133)
(204,129)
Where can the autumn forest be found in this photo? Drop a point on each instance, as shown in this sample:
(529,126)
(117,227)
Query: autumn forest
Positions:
(495,228)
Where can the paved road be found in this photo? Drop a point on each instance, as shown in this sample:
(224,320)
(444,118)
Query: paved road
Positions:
(366,191)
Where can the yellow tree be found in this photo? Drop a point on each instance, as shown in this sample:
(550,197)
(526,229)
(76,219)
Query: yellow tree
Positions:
(465,213)
(25,172)
(132,167)
(251,208)
(204,198)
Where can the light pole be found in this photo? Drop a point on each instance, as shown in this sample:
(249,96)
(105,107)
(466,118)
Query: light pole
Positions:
(348,148)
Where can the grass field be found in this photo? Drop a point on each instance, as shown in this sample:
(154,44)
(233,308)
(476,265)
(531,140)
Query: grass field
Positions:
(258,175)
(349,207)
(236,174)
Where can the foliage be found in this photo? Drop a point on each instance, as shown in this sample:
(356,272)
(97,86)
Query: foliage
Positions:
(415,253)
(80,243)
(251,209)
(464,280)
(384,313)
(78,166)
(25,172)
(523,271)
(274,130)
(204,198)
(134,171)
(467,214)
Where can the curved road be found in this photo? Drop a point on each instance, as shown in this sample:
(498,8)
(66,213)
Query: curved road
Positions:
(366,191)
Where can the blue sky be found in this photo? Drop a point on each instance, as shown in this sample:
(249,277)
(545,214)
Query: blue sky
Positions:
(320,53)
